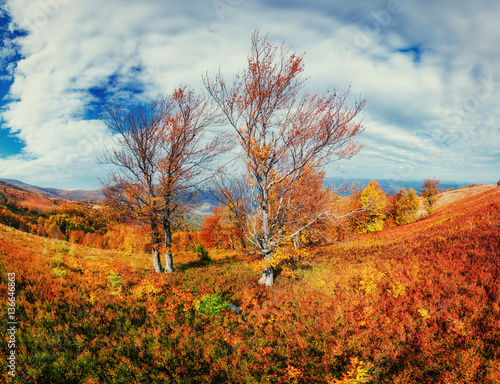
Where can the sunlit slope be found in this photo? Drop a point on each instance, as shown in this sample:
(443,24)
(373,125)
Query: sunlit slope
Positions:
(413,304)
(467,222)
(455,195)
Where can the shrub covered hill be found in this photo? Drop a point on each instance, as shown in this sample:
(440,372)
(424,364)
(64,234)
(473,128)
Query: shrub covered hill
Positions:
(21,196)
(418,303)
(53,193)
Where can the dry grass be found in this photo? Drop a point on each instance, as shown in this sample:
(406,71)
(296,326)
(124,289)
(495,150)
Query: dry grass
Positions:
(451,197)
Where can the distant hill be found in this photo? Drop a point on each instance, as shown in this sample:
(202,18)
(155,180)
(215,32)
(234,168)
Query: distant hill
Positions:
(24,197)
(53,193)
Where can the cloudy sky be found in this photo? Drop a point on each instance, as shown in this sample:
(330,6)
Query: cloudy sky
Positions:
(429,71)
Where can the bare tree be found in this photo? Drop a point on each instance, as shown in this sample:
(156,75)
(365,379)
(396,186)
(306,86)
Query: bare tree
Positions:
(133,190)
(283,133)
(165,152)
(188,159)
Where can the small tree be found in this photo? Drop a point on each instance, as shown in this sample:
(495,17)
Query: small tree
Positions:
(212,234)
(202,254)
(234,195)
(373,201)
(407,207)
(234,226)
(430,190)
(282,134)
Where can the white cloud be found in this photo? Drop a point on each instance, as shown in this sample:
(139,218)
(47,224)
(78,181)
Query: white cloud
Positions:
(440,109)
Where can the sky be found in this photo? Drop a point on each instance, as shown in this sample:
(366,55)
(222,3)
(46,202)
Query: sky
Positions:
(429,71)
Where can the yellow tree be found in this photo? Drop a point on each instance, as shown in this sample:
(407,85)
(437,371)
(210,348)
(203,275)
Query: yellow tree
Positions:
(407,207)
(373,201)
(282,132)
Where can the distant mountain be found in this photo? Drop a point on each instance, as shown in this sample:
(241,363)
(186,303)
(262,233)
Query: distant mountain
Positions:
(53,193)
(392,186)
(207,200)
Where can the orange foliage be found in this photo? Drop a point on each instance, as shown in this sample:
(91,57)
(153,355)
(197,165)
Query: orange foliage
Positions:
(211,229)
(413,304)
(185,241)
(430,190)
(222,230)
(305,220)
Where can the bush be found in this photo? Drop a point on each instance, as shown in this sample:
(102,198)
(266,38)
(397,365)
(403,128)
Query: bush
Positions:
(202,254)
(59,272)
(211,305)
(115,280)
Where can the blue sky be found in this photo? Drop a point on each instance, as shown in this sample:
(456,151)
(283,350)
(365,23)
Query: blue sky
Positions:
(429,71)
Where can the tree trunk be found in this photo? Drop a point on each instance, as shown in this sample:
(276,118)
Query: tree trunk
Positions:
(155,241)
(156,260)
(267,277)
(268,273)
(169,260)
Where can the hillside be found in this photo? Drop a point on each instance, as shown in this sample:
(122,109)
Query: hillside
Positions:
(24,197)
(412,304)
(53,193)
(455,195)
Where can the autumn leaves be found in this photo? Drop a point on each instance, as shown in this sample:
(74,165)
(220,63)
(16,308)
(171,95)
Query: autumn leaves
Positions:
(283,133)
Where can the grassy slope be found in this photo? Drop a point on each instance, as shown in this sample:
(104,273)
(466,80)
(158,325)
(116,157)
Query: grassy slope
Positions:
(455,195)
(412,304)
